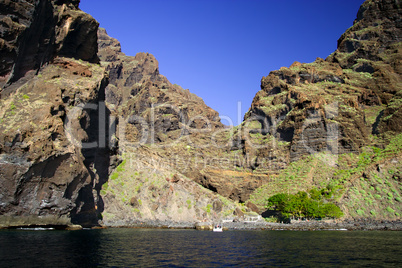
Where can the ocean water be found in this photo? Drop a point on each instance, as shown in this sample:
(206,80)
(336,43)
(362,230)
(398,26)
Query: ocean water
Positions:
(191,248)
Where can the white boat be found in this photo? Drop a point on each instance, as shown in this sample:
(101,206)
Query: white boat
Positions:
(217,228)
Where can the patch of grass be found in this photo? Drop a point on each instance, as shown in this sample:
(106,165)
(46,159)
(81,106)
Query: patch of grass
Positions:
(390,210)
(273,108)
(114,176)
(208,208)
(120,168)
(254,125)
(372,112)
(271,219)
(360,212)
(105,186)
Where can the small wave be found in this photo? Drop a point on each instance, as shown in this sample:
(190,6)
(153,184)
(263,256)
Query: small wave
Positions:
(36,228)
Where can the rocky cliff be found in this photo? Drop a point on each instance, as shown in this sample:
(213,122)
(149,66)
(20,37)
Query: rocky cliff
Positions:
(347,104)
(49,172)
(136,88)
(34,32)
(307,103)
(329,108)
(333,107)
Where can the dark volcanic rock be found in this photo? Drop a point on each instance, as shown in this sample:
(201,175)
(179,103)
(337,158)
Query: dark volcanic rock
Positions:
(34,32)
(46,175)
(44,171)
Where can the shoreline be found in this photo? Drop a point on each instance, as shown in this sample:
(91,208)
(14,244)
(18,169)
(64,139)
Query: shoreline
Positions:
(329,225)
(361,225)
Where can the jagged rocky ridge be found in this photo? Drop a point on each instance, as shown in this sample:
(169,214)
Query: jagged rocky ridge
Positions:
(111,141)
(137,88)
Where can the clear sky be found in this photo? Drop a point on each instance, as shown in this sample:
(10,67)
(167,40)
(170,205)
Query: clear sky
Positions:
(220,49)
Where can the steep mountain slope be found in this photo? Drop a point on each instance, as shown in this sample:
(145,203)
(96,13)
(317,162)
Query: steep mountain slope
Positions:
(174,122)
(341,105)
(340,92)
(47,176)
(136,86)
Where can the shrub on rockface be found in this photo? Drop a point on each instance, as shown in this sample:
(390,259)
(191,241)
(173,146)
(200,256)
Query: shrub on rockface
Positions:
(301,205)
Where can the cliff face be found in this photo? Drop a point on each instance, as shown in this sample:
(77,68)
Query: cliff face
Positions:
(373,45)
(34,32)
(314,115)
(307,105)
(49,172)
(173,122)
(334,106)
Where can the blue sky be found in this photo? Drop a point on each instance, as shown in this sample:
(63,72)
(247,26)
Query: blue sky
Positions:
(220,49)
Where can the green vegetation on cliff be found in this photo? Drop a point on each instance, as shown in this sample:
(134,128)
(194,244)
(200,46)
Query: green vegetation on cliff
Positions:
(301,205)
(364,185)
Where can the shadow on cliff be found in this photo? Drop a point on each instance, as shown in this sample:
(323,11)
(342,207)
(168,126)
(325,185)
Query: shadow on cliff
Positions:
(89,204)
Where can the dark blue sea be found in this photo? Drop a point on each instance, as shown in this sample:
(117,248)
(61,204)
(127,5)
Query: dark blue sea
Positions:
(191,248)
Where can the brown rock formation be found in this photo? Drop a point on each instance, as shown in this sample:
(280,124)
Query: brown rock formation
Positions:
(137,88)
(36,31)
(310,105)
(46,175)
